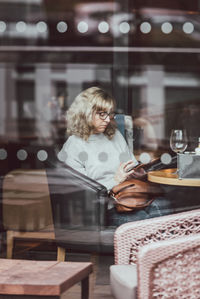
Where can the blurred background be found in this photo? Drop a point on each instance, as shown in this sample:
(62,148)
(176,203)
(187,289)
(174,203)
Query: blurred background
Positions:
(146,53)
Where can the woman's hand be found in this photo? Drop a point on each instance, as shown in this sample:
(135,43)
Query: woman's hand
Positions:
(124,171)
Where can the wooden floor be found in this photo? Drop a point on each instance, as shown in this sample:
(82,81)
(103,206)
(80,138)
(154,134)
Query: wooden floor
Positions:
(39,251)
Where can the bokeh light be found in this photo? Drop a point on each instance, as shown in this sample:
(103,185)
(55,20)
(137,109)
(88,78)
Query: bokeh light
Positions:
(124,27)
(22,154)
(145,27)
(188,27)
(62,27)
(82,27)
(21,26)
(166,27)
(42,155)
(103,27)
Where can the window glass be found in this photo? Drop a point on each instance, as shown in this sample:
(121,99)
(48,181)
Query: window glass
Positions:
(145,53)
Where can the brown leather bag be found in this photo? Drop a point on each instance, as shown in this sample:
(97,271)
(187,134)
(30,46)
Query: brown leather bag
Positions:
(134,194)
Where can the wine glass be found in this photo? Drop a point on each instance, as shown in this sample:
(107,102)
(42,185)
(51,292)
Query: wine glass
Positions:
(178,141)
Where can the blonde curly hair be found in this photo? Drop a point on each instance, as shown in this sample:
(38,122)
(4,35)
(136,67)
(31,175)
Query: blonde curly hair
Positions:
(79,115)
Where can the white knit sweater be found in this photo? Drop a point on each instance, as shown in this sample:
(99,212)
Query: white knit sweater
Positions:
(98,158)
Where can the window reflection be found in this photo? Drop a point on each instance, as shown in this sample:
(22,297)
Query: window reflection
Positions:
(25,23)
(42,93)
(42,22)
(147,57)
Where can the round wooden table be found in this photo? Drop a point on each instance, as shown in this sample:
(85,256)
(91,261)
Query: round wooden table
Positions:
(169,177)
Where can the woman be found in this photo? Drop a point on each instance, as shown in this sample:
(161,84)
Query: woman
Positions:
(97,149)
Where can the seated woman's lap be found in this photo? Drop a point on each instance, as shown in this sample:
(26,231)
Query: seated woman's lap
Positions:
(175,200)
(153,210)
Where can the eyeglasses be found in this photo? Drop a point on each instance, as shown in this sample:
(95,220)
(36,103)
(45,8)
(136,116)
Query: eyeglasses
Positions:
(103,115)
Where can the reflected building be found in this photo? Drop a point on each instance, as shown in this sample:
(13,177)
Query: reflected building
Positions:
(146,55)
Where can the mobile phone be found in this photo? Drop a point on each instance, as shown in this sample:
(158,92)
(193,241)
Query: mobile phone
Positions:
(132,167)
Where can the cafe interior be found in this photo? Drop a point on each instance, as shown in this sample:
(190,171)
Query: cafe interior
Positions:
(56,237)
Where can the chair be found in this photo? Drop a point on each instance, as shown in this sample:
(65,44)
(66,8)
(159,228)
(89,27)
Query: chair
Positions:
(26,207)
(125,126)
(129,238)
(170,269)
(35,203)
(79,209)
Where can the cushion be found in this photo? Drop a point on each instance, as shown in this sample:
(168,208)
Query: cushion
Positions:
(123,281)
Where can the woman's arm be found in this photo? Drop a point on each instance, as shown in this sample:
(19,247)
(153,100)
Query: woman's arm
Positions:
(125,168)
(122,144)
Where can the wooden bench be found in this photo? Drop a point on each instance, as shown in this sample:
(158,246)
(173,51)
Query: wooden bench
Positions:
(23,279)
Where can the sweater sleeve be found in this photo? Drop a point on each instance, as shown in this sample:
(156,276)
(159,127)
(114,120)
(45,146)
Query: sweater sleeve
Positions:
(124,145)
(71,155)
(127,155)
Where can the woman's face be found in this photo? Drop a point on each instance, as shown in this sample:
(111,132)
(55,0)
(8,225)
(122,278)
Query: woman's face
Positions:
(100,120)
